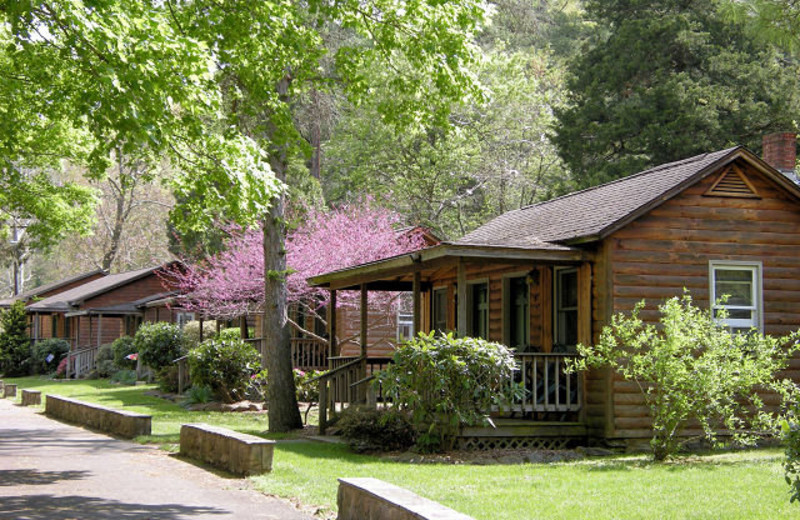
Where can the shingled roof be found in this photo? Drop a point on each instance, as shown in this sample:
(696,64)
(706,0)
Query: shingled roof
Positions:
(65,301)
(50,287)
(587,214)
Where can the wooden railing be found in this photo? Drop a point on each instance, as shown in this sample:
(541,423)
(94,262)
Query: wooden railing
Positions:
(548,388)
(80,362)
(309,354)
(346,384)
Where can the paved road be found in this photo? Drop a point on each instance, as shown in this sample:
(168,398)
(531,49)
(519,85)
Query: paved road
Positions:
(49,471)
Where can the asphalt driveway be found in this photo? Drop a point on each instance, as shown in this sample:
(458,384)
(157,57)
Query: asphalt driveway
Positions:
(50,470)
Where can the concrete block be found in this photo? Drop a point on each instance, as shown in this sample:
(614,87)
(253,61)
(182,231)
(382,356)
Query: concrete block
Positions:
(9,390)
(117,422)
(373,499)
(232,451)
(31,397)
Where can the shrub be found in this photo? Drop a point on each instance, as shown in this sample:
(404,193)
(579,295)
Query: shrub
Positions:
(224,366)
(197,395)
(105,361)
(15,344)
(167,378)
(61,370)
(257,386)
(121,349)
(192,332)
(229,334)
(124,377)
(692,368)
(159,344)
(367,429)
(58,348)
(447,383)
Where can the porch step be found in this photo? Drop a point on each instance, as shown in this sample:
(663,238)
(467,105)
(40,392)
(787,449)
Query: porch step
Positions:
(523,428)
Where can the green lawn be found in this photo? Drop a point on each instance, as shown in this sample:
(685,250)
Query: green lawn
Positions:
(740,485)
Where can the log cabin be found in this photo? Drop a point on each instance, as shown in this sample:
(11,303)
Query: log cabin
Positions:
(546,277)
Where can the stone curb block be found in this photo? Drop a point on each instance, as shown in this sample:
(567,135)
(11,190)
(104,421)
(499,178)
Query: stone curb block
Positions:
(31,397)
(373,499)
(9,390)
(238,453)
(118,422)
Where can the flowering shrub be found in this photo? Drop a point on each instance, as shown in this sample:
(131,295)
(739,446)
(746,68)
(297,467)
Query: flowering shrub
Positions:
(61,371)
(307,389)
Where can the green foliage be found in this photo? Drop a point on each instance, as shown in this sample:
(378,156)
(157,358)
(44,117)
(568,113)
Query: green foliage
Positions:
(191,331)
(225,366)
(307,389)
(229,334)
(121,348)
(105,361)
(124,377)
(790,432)
(167,378)
(55,346)
(369,429)
(666,80)
(691,368)
(15,344)
(257,386)
(446,383)
(159,344)
(198,394)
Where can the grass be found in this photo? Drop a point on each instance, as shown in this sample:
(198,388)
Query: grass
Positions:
(735,485)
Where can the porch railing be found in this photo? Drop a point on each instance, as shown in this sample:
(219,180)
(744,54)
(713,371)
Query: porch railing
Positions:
(309,354)
(80,362)
(346,384)
(548,387)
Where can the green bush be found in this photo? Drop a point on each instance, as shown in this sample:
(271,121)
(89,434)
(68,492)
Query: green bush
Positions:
(15,344)
(167,378)
(257,386)
(224,366)
(121,349)
(159,344)
(369,430)
(307,389)
(447,383)
(229,334)
(692,368)
(192,332)
(43,349)
(197,395)
(124,377)
(105,361)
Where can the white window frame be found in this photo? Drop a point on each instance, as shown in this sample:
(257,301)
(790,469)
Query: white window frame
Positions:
(557,309)
(405,322)
(757,296)
(182,318)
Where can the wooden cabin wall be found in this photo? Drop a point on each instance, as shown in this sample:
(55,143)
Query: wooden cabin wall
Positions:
(599,404)
(381,336)
(669,248)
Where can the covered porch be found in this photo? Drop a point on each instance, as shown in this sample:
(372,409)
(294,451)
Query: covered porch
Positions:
(537,301)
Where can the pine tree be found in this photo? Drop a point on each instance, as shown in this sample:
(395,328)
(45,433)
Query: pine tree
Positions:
(15,344)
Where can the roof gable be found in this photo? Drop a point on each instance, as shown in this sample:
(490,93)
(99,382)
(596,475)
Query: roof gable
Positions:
(596,212)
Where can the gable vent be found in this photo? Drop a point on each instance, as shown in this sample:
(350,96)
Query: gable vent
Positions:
(733,183)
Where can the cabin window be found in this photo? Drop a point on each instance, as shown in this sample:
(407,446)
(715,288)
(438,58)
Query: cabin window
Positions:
(741,283)
(67,331)
(516,316)
(479,310)
(565,307)
(439,310)
(405,325)
(54,325)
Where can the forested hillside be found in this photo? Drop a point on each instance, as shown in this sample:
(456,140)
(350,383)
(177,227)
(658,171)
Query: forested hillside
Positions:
(550,96)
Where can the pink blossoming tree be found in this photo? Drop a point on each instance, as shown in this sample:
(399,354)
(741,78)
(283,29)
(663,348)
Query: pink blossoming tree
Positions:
(231,283)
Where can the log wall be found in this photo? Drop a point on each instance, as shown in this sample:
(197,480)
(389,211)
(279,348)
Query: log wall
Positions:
(669,248)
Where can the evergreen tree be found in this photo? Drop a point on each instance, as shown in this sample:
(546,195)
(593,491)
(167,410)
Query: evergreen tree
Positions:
(15,344)
(664,80)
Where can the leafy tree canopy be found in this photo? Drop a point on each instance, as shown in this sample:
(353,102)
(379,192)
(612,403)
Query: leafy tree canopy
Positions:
(666,80)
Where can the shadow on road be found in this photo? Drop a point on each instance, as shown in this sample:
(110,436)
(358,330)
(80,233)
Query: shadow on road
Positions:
(33,477)
(19,441)
(51,507)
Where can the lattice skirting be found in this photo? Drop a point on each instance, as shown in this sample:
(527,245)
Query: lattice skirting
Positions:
(510,443)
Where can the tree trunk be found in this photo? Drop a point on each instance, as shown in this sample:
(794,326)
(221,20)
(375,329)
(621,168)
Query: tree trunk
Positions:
(284,415)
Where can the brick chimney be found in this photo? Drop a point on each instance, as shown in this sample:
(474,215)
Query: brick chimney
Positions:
(780,152)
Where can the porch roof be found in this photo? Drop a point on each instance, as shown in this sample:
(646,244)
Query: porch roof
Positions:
(396,273)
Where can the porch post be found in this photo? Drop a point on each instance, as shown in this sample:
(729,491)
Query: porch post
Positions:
(461,295)
(36,327)
(417,302)
(201,329)
(89,343)
(364,309)
(99,329)
(333,347)
(243,327)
